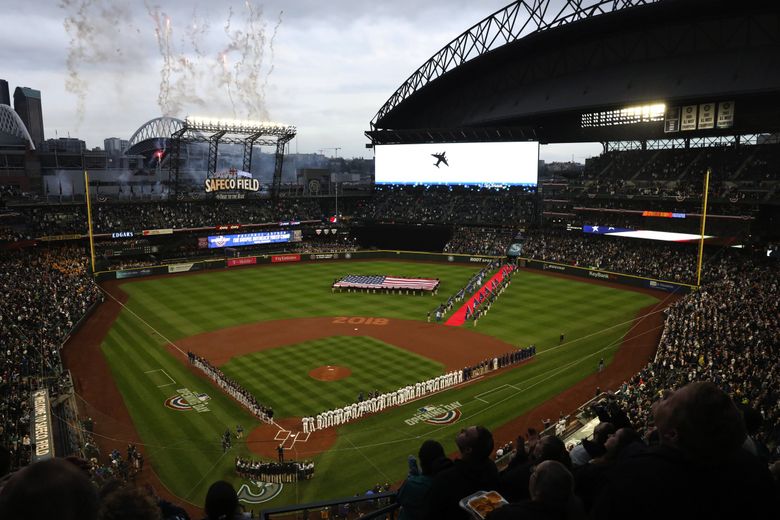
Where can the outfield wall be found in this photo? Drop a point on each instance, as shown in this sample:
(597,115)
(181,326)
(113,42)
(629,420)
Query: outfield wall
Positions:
(582,272)
(607,276)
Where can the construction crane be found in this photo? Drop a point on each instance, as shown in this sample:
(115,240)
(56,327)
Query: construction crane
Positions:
(336,149)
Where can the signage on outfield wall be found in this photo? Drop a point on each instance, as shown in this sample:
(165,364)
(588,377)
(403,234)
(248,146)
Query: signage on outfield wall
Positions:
(229,227)
(586,272)
(324,256)
(480,260)
(148,232)
(249,260)
(134,273)
(285,258)
(180,268)
(42,437)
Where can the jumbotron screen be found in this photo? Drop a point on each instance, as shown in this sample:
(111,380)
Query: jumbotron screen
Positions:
(253,239)
(484,164)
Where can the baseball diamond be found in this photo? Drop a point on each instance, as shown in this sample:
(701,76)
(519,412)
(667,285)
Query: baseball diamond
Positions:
(269,327)
(541,280)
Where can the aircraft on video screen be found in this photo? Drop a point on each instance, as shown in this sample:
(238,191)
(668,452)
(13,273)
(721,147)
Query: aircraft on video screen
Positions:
(441,158)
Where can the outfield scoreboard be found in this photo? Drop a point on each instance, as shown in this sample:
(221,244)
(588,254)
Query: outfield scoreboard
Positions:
(253,239)
(478,164)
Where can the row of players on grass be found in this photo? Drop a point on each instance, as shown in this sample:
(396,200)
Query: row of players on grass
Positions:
(377,402)
(239,393)
(685,468)
(268,471)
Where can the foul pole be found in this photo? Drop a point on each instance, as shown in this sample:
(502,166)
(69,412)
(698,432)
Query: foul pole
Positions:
(89,221)
(703,224)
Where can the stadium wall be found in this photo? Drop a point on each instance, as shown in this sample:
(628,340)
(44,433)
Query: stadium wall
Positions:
(608,276)
(583,272)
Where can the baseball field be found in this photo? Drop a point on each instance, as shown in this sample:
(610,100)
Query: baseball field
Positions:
(300,348)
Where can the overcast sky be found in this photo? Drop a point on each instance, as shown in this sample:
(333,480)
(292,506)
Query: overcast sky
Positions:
(326,66)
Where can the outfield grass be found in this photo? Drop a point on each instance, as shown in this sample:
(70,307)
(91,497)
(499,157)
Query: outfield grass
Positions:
(184,446)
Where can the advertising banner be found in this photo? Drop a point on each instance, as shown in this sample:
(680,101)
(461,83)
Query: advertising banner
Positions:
(54,238)
(150,232)
(134,273)
(275,259)
(41,432)
(324,256)
(249,260)
(179,268)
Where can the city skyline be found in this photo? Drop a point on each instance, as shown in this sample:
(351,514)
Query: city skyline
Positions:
(106,68)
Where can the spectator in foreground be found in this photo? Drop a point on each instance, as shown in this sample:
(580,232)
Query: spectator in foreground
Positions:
(551,489)
(515,479)
(52,489)
(222,502)
(699,470)
(473,471)
(413,495)
(129,503)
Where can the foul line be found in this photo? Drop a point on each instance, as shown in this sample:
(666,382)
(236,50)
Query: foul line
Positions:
(173,382)
(128,309)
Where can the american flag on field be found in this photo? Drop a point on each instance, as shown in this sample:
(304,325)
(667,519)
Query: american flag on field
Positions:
(360,281)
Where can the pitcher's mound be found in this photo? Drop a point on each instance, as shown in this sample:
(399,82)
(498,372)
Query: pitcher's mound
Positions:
(330,373)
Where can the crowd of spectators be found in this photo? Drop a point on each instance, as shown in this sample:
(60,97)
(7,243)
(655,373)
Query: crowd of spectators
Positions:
(43,295)
(728,332)
(454,205)
(479,241)
(668,261)
(272,471)
(696,463)
(232,387)
(58,219)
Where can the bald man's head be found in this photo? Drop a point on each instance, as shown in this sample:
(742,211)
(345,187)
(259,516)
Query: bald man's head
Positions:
(551,483)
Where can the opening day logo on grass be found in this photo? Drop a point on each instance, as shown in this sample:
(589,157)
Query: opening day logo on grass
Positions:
(436,414)
(188,400)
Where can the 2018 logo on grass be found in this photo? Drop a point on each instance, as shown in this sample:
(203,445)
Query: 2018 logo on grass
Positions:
(436,414)
(188,400)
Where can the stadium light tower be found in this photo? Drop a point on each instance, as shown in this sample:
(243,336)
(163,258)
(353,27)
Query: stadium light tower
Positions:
(335,149)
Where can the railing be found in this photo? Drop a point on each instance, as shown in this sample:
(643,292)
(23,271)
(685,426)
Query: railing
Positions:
(380,505)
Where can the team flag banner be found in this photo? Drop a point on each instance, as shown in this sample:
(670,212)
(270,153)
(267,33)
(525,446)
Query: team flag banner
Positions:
(360,281)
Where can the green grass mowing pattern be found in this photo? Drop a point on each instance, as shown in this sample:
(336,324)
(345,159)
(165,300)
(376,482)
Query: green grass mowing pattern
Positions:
(185,445)
(186,305)
(535,309)
(279,377)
